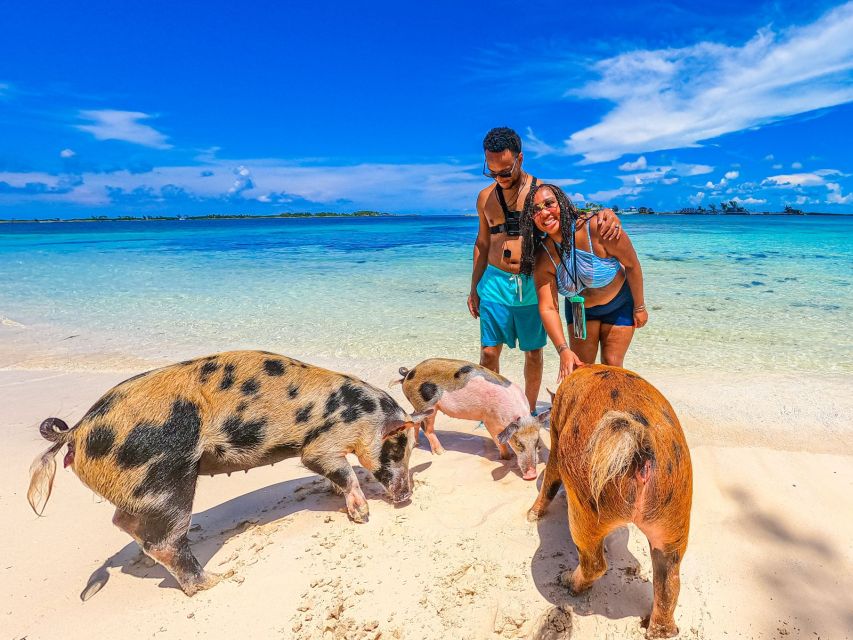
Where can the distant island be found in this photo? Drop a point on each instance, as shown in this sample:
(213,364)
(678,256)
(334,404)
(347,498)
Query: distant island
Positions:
(730,208)
(211,216)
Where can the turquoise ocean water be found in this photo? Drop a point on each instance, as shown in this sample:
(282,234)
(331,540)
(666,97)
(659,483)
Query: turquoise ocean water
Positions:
(767,293)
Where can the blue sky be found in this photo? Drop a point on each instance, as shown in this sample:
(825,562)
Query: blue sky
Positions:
(262,107)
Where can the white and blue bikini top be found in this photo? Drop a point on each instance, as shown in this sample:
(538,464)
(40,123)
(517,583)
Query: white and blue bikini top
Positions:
(592,272)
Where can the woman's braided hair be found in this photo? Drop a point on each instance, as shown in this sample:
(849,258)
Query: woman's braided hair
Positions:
(531,237)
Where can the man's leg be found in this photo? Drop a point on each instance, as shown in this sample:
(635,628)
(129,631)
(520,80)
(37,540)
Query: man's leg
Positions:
(533,366)
(490,357)
(531,339)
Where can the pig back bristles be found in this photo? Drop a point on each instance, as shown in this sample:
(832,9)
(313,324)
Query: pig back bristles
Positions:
(42,471)
(617,440)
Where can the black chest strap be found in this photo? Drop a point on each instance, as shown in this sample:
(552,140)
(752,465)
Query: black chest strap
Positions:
(508,215)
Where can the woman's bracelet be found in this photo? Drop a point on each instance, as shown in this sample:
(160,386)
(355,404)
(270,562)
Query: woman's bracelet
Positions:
(562,348)
(642,307)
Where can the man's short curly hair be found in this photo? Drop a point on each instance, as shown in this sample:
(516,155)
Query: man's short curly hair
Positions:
(500,139)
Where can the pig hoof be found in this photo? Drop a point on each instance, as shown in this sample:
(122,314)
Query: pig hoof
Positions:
(438,451)
(667,630)
(360,514)
(573,582)
(534,514)
(205,581)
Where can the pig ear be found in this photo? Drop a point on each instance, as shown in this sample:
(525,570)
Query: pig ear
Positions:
(396,426)
(506,434)
(544,416)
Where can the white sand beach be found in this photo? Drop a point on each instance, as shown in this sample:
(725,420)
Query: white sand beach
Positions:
(770,553)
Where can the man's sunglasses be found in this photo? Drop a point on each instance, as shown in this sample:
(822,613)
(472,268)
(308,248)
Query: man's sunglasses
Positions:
(506,173)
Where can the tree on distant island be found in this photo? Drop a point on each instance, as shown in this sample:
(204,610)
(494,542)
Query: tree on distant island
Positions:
(712,207)
(615,208)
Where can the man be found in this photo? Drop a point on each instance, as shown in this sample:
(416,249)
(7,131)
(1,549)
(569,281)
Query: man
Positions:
(503,300)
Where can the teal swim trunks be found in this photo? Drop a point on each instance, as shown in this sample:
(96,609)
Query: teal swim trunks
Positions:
(509,311)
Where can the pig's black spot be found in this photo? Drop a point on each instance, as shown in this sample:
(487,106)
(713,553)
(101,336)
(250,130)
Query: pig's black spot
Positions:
(99,442)
(244,435)
(669,418)
(576,430)
(250,387)
(669,467)
(282,451)
(274,367)
(267,353)
(392,453)
(619,424)
(463,370)
(428,391)
(102,406)
(356,401)
(333,403)
(640,417)
(676,451)
(304,413)
(553,488)
(303,365)
(207,370)
(144,442)
(174,472)
(340,476)
(293,391)
(668,498)
(614,393)
(388,406)
(410,375)
(227,377)
(316,432)
(604,374)
(631,375)
(242,406)
(220,450)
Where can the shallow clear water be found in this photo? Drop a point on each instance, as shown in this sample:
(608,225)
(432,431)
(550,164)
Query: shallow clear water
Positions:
(730,293)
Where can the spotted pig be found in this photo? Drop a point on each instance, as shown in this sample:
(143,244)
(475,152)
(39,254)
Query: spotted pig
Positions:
(618,448)
(469,391)
(144,443)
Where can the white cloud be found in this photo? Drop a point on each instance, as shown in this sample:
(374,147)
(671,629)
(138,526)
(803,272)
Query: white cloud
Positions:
(722,183)
(731,175)
(678,97)
(749,200)
(537,146)
(109,124)
(442,187)
(796,165)
(777,166)
(607,195)
(813,179)
(769,157)
(835,197)
(697,197)
(67,153)
(638,164)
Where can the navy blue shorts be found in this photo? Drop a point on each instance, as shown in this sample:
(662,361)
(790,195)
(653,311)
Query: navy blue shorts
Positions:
(618,312)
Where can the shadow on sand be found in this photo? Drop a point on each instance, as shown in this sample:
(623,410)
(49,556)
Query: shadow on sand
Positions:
(233,517)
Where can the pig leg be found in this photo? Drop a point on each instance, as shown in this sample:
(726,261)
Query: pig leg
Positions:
(494,429)
(163,537)
(427,425)
(667,583)
(551,482)
(588,536)
(340,473)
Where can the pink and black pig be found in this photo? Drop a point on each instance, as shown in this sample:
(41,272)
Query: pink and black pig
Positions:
(469,391)
(143,445)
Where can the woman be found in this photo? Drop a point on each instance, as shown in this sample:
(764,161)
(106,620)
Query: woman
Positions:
(569,257)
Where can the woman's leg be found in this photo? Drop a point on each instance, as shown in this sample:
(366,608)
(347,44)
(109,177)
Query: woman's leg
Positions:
(587,349)
(614,343)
